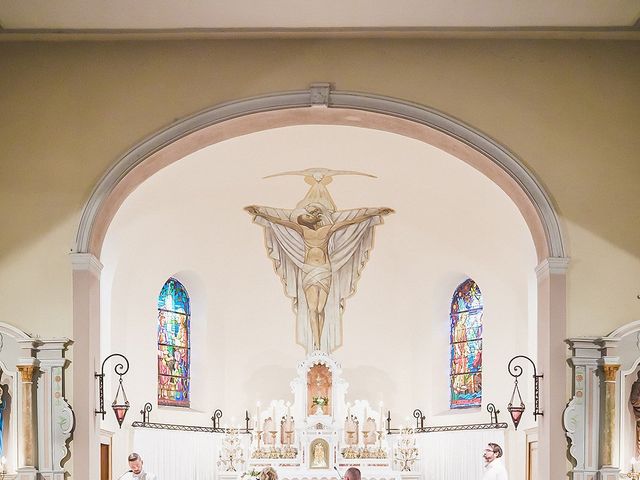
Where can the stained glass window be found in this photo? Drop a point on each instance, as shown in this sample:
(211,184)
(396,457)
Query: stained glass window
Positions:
(174,355)
(466,345)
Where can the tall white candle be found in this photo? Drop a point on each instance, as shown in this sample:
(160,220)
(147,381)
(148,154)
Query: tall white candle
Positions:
(380,427)
(257,426)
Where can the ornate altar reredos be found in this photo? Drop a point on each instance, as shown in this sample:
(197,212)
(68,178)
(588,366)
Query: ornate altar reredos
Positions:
(320,433)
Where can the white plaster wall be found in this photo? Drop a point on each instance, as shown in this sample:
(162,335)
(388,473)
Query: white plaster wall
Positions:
(187,221)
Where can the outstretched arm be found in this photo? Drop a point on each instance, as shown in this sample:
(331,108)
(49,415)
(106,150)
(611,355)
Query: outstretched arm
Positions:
(361,218)
(255,210)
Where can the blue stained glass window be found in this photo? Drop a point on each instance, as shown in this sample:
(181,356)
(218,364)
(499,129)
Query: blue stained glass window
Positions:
(466,345)
(174,352)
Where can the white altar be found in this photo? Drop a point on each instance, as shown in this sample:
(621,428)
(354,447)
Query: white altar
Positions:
(320,434)
(309,441)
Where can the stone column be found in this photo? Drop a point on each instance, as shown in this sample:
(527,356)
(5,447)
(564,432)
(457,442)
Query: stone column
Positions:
(28,437)
(610,373)
(609,470)
(27,431)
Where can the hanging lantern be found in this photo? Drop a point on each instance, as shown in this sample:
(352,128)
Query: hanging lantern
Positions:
(516,411)
(120,405)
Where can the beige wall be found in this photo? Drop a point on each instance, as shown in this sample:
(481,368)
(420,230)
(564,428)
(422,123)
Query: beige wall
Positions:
(568,109)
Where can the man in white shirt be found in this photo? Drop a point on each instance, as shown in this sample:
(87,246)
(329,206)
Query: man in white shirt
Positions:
(137,471)
(493,466)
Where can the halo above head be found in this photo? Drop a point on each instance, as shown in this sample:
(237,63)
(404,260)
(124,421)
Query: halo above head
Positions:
(318,178)
(319,173)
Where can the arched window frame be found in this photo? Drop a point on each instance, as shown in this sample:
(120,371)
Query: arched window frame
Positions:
(174,345)
(465,342)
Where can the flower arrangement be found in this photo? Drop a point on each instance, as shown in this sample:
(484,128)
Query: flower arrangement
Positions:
(249,474)
(320,401)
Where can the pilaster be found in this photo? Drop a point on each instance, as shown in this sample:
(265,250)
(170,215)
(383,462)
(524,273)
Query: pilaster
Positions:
(86,354)
(55,416)
(552,445)
(582,415)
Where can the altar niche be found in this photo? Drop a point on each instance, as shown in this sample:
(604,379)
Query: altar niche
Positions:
(319,381)
(319,454)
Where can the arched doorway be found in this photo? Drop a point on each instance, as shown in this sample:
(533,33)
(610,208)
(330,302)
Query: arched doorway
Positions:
(320,105)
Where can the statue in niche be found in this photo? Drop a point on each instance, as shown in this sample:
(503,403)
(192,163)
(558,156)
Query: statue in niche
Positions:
(319,253)
(634,399)
(319,454)
(319,390)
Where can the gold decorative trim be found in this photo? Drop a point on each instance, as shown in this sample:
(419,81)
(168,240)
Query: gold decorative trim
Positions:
(27,372)
(610,372)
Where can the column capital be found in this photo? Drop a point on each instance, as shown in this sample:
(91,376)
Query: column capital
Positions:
(552,266)
(610,371)
(27,372)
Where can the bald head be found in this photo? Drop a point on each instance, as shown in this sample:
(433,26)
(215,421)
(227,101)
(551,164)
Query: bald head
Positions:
(352,474)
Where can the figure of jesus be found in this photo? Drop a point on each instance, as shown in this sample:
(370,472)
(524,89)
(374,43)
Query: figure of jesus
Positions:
(316,279)
(318,252)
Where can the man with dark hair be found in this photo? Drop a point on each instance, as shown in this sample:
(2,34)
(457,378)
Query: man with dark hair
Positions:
(493,467)
(137,471)
(352,473)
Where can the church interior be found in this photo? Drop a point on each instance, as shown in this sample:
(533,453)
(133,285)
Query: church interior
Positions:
(319,240)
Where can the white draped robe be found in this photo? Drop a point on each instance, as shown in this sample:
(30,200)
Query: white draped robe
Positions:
(349,249)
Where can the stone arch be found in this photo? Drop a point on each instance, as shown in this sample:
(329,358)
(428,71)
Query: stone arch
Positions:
(322,105)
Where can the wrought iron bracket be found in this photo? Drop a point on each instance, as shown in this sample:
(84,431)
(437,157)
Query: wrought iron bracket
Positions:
(516,370)
(420,418)
(120,369)
(493,412)
(146,410)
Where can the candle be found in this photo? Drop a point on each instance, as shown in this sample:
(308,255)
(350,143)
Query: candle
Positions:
(381,416)
(348,409)
(633,465)
(288,410)
(258,416)
(273,415)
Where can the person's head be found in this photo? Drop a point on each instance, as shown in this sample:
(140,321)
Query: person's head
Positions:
(135,463)
(491,452)
(352,473)
(309,219)
(268,474)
